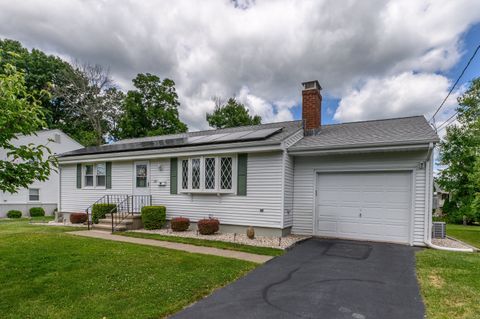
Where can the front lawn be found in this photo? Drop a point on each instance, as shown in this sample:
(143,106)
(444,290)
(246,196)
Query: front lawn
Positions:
(208,243)
(468,234)
(450,283)
(49,274)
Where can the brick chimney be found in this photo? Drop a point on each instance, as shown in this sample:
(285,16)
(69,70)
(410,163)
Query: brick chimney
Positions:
(311,106)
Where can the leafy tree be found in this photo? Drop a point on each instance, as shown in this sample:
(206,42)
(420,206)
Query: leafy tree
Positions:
(92,100)
(231,114)
(150,109)
(20,113)
(460,152)
(48,72)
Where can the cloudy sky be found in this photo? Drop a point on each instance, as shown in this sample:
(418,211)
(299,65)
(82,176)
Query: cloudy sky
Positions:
(374,59)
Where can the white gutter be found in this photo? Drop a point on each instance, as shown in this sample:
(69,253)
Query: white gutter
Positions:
(428,206)
(317,152)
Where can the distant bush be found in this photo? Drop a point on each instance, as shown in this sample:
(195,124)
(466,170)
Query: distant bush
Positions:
(180,224)
(208,226)
(14,214)
(154,217)
(100,210)
(37,212)
(78,218)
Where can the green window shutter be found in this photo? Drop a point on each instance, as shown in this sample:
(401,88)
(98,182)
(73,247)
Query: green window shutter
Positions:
(79,175)
(242,175)
(173,176)
(108,183)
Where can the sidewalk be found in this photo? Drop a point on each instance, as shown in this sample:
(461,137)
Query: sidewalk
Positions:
(177,246)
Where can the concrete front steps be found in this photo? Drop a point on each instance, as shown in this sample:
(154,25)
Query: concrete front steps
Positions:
(129,223)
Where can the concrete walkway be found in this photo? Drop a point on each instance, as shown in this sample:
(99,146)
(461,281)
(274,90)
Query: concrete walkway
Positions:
(176,246)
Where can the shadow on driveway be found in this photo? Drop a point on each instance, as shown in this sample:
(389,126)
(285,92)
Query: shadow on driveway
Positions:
(323,278)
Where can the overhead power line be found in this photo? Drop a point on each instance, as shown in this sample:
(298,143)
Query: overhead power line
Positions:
(456,82)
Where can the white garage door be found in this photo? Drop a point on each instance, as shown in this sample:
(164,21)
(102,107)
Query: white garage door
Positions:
(364,205)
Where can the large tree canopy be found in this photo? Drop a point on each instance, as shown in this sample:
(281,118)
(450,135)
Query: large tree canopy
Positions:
(150,109)
(20,113)
(231,114)
(93,102)
(460,152)
(48,72)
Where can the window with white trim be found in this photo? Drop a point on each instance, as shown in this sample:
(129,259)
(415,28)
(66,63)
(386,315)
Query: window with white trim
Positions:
(101,174)
(94,175)
(88,175)
(33,194)
(207,174)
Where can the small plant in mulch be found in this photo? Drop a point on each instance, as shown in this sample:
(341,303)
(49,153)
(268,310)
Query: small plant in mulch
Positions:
(208,226)
(180,224)
(251,232)
(153,217)
(78,218)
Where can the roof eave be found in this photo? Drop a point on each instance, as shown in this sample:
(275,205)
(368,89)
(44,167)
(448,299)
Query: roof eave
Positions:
(361,148)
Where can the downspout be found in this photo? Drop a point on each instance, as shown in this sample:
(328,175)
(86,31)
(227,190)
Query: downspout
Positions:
(428,205)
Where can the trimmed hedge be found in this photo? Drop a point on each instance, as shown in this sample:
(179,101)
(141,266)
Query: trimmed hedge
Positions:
(208,226)
(180,224)
(14,214)
(154,217)
(78,218)
(37,212)
(100,210)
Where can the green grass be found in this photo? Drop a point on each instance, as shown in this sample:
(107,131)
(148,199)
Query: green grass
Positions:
(208,243)
(468,234)
(450,283)
(46,273)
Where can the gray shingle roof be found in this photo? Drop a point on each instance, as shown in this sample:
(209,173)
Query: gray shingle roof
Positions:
(191,139)
(397,131)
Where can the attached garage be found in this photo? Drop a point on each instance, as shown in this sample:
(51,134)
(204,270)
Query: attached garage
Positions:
(367,205)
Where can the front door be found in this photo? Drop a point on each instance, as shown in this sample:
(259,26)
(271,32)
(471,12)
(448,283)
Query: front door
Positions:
(141,185)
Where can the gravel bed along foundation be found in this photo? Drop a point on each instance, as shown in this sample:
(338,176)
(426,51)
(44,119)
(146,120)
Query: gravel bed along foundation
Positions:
(262,241)
(450,243)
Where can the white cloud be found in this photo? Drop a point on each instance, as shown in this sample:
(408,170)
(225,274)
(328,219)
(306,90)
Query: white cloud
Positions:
(404,94)
(218,47)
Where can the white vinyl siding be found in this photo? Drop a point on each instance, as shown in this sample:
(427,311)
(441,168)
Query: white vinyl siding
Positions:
(264,192)
(288,174)
(77,200)
(305,177)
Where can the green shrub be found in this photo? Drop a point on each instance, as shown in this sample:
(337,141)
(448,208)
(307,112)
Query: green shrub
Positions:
(78,218)
(37,212)
(100,210)
(180,223)
(14,214)
(208,226)
(154,217)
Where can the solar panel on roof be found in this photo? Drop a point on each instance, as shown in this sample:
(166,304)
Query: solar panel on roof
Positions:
(262,133)
(233,136)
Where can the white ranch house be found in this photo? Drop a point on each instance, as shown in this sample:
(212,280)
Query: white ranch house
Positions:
(38,194)
(369,180)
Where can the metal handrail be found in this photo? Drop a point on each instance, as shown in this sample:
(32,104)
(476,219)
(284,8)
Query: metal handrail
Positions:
(134,204)
(105,199)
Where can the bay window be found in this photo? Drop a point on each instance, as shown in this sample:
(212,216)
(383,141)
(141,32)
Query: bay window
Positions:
(207,174)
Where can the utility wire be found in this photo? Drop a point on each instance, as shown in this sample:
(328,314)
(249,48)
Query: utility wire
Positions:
(456,82)
(446,123)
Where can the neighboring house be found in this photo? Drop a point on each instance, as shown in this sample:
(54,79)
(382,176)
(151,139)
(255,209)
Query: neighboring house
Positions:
(439,197)
(38,194)
(369,180)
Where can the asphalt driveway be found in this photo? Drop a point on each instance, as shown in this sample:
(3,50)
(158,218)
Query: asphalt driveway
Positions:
(323,279)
